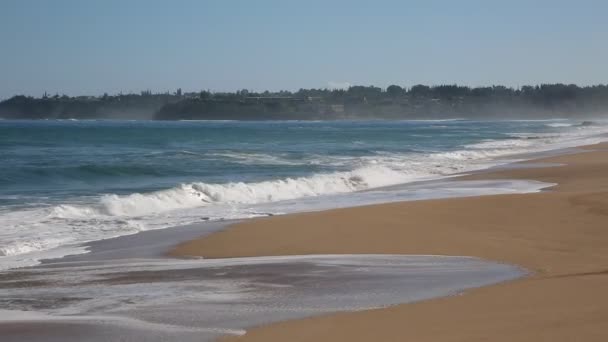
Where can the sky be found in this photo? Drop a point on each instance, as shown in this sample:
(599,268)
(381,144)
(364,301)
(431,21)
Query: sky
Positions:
(86,47)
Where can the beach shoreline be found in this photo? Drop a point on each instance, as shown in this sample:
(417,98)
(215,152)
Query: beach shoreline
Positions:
(343,232)
(558,234)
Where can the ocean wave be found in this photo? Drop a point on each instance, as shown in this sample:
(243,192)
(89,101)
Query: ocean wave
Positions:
(175,153)
(200,194)
(28,246)
(44,229)
(534,136)
(256,158)
(110,170)
(84,172)
(538,120)
(434,120)
(93,218)
(382,169)
(559,124)
(502,144)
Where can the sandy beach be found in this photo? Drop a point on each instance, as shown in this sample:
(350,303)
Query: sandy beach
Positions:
(560,235)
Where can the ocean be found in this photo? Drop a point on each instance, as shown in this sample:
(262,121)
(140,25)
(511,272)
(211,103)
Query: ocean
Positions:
(66,182)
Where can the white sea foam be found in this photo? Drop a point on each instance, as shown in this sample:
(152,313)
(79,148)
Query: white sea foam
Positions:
(559,124)
(226,296)
(203,194)
(40,230)
(29,246)
(256,158)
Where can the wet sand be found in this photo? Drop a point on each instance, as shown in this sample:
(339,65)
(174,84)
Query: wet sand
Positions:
(126,289)
(560,234)
(158,299)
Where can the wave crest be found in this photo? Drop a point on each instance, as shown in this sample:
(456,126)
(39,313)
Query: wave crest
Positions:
(203,194)
(23,247)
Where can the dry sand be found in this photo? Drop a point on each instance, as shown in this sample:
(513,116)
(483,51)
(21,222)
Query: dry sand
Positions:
(561,235)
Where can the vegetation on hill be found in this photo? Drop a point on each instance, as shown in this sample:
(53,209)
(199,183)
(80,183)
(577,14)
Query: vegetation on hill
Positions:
(356,102)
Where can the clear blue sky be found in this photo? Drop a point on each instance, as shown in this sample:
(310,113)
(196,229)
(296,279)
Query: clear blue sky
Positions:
(90,47)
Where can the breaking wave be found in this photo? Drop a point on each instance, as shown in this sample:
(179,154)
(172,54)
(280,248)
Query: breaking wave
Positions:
(194,195)
(23,247)
(45,228)
(559,124)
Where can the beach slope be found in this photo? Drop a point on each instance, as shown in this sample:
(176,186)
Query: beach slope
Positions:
(561,235)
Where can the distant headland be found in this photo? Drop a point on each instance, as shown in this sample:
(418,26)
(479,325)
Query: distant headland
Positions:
(356,102)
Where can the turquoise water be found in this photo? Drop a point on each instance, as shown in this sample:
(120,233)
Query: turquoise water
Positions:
(63,158)
(60,159)
(65,182)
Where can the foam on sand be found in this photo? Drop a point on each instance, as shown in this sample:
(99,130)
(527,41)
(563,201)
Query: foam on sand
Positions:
(226,296)
(68,227)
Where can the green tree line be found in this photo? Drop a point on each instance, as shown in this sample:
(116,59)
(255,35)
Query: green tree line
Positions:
(356,102)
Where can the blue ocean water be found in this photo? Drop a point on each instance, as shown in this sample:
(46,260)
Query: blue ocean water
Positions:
(65,182)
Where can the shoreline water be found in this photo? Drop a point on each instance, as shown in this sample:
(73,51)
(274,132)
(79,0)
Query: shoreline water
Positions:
(558,234)
(161,242)
(488,176)
(356,175)
(124,240)
(158,299)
